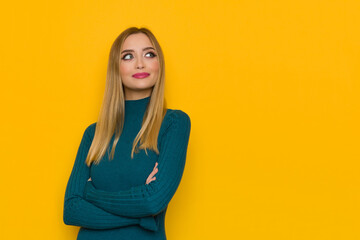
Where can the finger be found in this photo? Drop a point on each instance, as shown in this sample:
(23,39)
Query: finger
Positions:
(153,179)
(153,173)
(150,179)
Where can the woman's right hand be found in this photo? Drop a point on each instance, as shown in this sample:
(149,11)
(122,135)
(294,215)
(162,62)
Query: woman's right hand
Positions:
(150,177)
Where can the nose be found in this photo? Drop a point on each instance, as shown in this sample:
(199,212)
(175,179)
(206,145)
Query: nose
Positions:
(139,64)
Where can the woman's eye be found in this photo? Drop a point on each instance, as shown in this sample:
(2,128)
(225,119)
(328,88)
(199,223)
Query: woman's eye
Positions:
(125,57)
(129,56)
(151,54)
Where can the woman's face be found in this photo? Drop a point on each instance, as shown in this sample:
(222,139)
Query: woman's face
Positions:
(139,66)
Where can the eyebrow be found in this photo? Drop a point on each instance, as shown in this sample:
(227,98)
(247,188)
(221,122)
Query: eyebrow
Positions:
(131,50)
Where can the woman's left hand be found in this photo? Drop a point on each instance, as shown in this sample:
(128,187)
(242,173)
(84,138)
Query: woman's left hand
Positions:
(151,176)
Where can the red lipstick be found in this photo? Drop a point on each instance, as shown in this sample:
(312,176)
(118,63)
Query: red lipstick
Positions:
(141,75)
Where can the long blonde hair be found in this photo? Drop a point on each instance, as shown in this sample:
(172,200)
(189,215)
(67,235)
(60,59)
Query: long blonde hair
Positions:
(111,117)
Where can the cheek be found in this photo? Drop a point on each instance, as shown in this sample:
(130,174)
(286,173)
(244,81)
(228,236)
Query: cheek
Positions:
(155,65)
(123,69)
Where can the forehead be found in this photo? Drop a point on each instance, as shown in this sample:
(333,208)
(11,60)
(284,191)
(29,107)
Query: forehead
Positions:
(137,40)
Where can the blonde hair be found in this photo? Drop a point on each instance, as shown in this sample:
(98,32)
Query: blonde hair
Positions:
(111,117)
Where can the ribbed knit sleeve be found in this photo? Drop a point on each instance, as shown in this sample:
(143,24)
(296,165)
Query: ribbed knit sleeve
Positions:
(154,197)
(80,212)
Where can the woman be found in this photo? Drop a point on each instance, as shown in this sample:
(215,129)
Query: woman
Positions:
(130,162)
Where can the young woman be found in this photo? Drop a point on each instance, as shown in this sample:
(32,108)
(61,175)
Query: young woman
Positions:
(130,162)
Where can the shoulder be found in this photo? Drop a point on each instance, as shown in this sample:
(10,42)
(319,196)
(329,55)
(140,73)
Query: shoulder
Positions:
(175,128)
(90,131)
(176,118)
(177,115)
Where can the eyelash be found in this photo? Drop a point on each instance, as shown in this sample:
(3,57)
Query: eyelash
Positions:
(123,58)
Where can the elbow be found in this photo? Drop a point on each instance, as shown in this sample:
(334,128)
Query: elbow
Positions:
(67,220)
(155,208)
(67,215)
(142,210)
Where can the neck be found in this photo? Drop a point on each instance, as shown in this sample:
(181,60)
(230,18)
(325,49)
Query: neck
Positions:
(136,107)
(135,95)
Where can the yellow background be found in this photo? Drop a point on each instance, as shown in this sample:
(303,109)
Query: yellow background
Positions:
(271,87)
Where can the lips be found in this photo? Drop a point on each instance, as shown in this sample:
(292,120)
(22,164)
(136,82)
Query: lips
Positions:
(141,75)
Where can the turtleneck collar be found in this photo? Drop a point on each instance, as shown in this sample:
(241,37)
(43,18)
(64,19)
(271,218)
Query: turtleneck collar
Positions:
(137,106)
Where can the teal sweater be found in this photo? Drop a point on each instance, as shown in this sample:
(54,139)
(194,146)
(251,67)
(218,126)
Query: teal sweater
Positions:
(116,203)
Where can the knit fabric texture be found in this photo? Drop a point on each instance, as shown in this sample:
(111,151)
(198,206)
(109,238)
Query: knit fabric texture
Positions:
(116,203)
